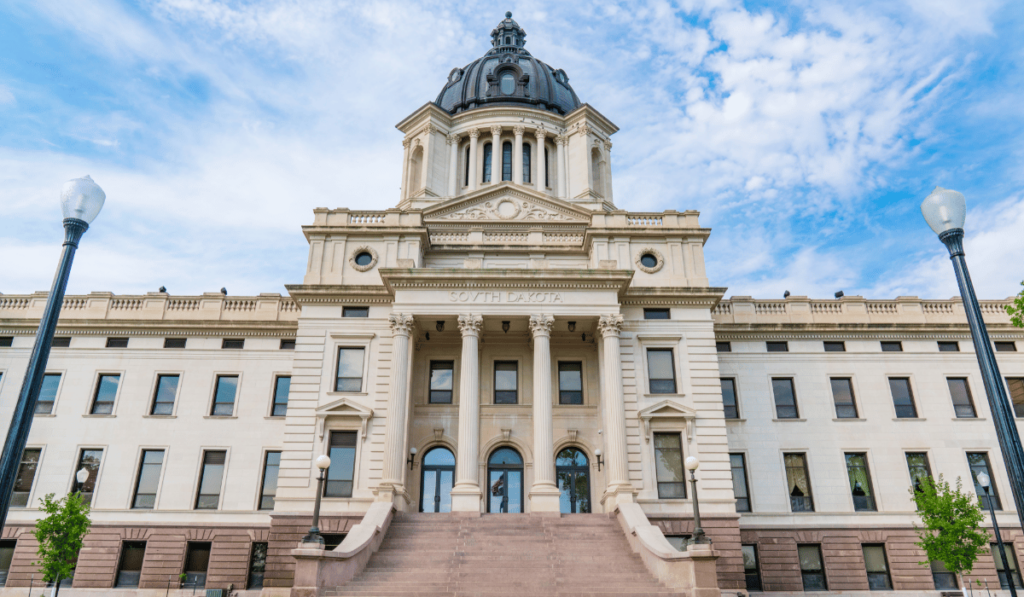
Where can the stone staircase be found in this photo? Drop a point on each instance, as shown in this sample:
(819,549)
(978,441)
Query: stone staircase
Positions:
(504,555)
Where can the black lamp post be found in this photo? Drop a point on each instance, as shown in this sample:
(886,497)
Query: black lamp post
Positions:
(984,481)
(699,538)
(314,538)
(945,212)
(81,200)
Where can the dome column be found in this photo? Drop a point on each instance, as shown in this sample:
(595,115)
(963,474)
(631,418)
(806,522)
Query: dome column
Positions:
(453,166)
(517,155)
(474,134)
(496,155)
(560,142)
(540,158)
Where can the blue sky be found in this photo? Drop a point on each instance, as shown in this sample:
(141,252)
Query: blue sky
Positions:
(807,133)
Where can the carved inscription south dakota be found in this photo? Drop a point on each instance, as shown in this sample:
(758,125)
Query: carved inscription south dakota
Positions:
(491,296)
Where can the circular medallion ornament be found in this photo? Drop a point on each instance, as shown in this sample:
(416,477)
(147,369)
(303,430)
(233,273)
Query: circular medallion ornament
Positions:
(506,209)
(649,260)
(363,259)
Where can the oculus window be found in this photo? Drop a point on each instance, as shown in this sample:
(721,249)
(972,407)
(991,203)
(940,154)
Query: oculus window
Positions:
(570,382)
(163,398)
(798,482)
(878,568)
(668,460)
(441,381)
(350,370)
(224,398)
(232,343)
(341,474)
(785,398)
(649,260)
(506,382)
(661,370)
(364,258)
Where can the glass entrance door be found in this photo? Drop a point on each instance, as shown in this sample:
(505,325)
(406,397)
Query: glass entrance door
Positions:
(436,482)
(505,481)
(572,469)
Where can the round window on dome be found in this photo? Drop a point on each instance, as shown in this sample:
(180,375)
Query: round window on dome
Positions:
(648,260)
(364,259)
(508,83)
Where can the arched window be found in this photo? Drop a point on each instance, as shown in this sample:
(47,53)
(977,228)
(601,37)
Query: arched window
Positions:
(467,167)
(547,169)
(416,171)
(506,161)
(508,40)
(595,167)
(487,163)
(505,481)
(526,163)
(437,480)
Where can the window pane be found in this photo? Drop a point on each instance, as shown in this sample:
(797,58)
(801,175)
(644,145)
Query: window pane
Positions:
(106,390)
(257,566)
(835,346)
(963,406)
(860,482)
(751,570)
(917,463)
(505,376)
(26,474)
(166,390)
(350,370)
(657,314)
(441,375)
(723,347)
(506,161)
(777,346)
(729,398)
(902,398)
(343,459)
(811,568)
(355,312)
(842,395)
(48,393)
(949,347)
(1011,561)
(269,489)
(668,459)
(877,568)
(283,385)
(661,370)
(570,383)
(224,401)
(979,463)
(130,569)
(1016,387)
(210,481)
(90,461)
(798,484)
(785,398)
(944,579)
(526,162)
(739,482)
(892,347)
(149,479)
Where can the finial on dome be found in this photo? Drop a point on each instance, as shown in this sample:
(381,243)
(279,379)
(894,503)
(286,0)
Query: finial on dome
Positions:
(508,14)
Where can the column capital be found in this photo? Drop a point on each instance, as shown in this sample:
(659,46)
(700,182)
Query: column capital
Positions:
(540,133)
(607,145)
(474,133)
(470,325)
(453,138)
(401,324)
(496,130)
(585,130)
(431,129)
(561,139)
(406,142)
(540,325)
(519,130)
(609,325)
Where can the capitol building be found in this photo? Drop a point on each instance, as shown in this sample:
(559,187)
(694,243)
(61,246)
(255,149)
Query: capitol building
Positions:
(507,372)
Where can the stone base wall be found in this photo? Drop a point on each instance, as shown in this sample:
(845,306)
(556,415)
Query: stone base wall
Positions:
(725,536)
(285,534)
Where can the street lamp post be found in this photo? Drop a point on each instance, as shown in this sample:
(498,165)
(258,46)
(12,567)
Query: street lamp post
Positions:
(81,200)
(699,537)
(314,538)
(945,212)
(983,480)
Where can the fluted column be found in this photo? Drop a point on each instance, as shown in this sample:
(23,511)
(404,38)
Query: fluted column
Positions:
(539,159)
(562,175)
(453,166)
(619,488)
(517,155)
(393,486)
(474,176)
(544,495)
(496,154)
(466,493)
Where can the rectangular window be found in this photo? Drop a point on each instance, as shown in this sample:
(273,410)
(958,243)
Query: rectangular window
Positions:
(785,398)
(963,404)
(341,473)
(668,460)
(268,490)
(103,398)
(48,394)
(506,382)
(978,461)
(729,405)
(287,343)
(657,314)
(812,569)
(129,569)
(570,383)
(197,563)
(282,385)
(350,370)
(6,341)
(739,482)
(777,346)
(6,557)
(257,565)
(175,342)
(944,579)
(149,479)
(224,399)
(902,398)
(90,461)
(842,396)
(117,342)
(896,346)
(1016,387)
(233,343)
(835,346)
(1006,347)
(723,346)
(355,311)
(949,346)
(26,475)
(1011,563)
(441,381)
(860,482)
(211,479)
(163,399)
(917,464)
(798,483)
(662,370)
(61,342)
(877,567)
(751,568)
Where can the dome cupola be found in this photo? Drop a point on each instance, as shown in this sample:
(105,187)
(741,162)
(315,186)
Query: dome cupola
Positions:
(508,74)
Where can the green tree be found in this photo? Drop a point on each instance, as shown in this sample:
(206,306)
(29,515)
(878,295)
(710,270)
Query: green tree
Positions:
(59,533)
(1016,310)
(952,532)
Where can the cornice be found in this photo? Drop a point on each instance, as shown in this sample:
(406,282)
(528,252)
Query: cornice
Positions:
(429,108)
(585,112)
(689,296)
(451,278)
(857,331)
(333,294)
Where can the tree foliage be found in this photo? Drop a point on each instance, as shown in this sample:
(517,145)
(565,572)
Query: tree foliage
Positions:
(952,532)
(1016,310)
(60,533)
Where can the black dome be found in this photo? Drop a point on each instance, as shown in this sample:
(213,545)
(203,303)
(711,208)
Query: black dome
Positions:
(508,74)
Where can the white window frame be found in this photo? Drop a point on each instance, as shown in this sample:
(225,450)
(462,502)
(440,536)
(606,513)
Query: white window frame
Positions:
(138,470)
(212,392)
(520,377)
(349,340)
(676,343)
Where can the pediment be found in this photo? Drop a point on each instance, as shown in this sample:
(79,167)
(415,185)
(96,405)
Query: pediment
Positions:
(507,204)
(667,409)
(344,407)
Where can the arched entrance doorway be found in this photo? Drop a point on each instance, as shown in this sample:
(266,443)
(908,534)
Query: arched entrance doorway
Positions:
(572,469)
(436,481)
(505,481)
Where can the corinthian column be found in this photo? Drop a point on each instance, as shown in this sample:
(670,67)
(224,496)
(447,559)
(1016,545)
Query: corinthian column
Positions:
(562,175)
(544,495)
(393,485)
(496,155)
(540,159)
(517,155)
(453,166)
(474,134)
(466,493)
(619,488)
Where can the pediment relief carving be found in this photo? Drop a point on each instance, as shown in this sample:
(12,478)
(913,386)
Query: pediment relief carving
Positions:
(509,207)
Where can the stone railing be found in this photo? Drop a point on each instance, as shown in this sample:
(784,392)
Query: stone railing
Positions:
(853,309)
(212,306)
